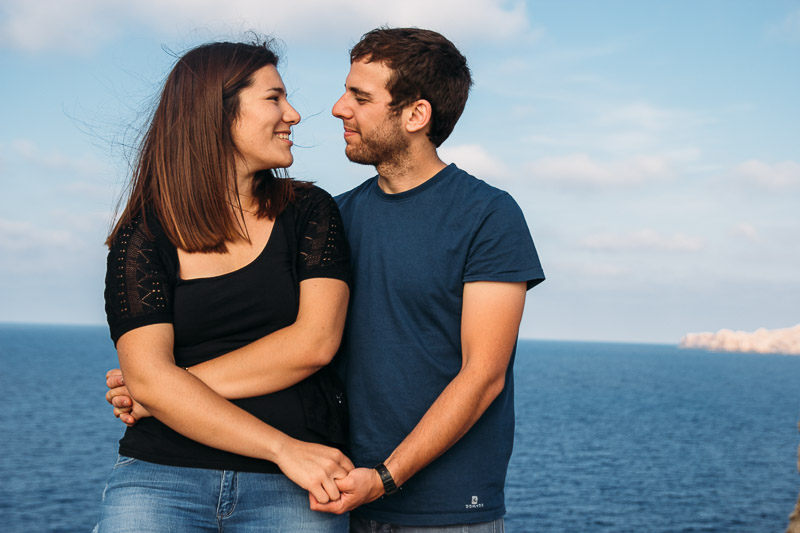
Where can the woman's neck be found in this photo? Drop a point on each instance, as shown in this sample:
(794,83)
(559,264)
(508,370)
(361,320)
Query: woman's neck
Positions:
(244,195)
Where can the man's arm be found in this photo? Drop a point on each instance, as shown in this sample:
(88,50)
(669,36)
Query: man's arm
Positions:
(491,314)
(271,363)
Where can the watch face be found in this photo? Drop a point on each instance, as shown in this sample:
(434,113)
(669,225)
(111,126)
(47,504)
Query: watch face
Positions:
(386,477)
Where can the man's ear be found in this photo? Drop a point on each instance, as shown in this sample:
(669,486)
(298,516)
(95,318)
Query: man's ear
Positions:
(419,115)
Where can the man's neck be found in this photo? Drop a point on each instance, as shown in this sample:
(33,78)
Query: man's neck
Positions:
(412,172)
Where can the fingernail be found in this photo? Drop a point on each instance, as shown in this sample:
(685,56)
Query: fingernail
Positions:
(125,403)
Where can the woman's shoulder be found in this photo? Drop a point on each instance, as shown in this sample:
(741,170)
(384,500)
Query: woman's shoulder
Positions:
(308,196)
(140,229)
(308,191)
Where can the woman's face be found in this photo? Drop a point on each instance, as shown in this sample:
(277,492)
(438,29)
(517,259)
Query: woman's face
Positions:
(261,130)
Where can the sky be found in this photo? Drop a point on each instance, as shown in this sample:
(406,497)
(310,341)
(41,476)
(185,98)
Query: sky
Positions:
(654,147)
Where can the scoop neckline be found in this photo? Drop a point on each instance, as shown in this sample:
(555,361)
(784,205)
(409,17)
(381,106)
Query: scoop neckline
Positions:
(242,268)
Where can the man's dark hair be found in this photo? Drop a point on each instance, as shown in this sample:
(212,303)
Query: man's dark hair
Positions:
(425,65)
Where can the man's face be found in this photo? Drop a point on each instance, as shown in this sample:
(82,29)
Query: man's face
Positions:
(373,133)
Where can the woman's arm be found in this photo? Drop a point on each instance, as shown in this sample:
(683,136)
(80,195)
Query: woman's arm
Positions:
(284,357)
(188,406)
(288,355)
(269,364)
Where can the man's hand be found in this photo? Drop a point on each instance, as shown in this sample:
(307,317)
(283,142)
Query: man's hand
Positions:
(128,410)
(362,485)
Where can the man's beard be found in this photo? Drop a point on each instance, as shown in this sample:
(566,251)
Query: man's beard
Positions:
(386,145)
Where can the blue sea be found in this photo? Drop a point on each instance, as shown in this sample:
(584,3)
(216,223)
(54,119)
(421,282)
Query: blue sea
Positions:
(610,437)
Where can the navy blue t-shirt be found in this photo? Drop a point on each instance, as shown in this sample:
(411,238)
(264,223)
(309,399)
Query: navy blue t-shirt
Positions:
(412,252)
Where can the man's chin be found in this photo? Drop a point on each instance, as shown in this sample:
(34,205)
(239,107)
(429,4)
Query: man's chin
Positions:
(356,157)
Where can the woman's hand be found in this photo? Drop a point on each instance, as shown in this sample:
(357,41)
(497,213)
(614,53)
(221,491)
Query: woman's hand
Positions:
(128,410)
(314,467)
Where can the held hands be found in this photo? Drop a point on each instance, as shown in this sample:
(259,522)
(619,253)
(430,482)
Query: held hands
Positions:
(314,467)
(128,410)
(362,485)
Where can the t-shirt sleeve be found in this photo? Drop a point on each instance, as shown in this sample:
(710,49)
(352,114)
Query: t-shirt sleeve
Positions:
(502,248)
(139,287)
(323,251)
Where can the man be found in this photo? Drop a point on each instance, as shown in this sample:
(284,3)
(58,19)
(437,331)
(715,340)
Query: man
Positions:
(442,262)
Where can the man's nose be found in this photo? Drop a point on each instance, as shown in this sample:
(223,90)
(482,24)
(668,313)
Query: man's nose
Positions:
(339,108)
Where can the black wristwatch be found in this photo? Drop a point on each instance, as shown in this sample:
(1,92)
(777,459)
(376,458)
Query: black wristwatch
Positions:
(389,487)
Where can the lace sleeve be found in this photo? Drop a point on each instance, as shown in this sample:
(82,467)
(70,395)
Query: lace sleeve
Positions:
(139,287)
(323,251)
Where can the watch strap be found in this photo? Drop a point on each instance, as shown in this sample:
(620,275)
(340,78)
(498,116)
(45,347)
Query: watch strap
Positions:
(389,486)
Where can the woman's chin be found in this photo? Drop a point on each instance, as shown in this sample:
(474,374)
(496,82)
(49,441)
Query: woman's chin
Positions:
(286,163)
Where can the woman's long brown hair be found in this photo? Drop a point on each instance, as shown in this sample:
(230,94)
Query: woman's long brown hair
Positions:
(185,168)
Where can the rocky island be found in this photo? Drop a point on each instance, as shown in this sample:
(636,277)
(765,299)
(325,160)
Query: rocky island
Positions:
(785,341)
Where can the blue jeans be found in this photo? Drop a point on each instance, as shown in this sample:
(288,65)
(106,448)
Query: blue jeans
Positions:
(361,525)
(146,497)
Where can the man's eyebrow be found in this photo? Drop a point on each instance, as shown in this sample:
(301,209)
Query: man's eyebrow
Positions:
(359,92)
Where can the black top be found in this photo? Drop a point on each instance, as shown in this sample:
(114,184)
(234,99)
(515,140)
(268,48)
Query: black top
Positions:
(215,315)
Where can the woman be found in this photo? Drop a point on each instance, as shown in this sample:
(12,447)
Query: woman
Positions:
(226,282)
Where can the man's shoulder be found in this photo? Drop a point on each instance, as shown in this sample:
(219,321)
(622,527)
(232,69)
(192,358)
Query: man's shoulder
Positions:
(473,189)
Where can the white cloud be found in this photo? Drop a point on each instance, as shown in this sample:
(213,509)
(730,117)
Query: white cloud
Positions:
(620,132)
(514,65)
(476,160)
(704,168)
(82,25)
(16,235)
(24,148)
(789,27)
(641,114)
(28,248)
(548,140)
(94,224)
(783,175)
(746,231)
(563,56)
(644,116)
(83,165)
(580,169)
(521,111)
(639,126)
(53,24)
(90,190)
(623,142)
(605,270)
(646,239)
